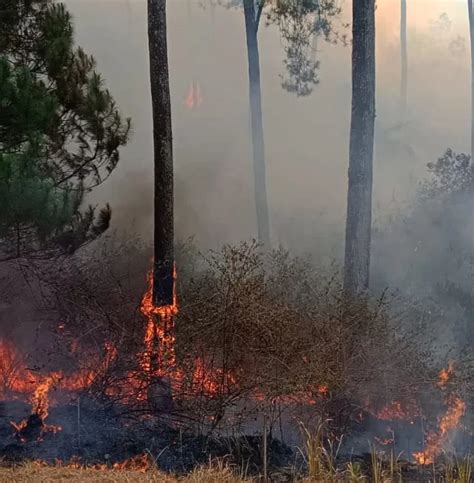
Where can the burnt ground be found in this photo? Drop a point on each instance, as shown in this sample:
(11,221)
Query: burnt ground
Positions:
(94,435)
(97,436)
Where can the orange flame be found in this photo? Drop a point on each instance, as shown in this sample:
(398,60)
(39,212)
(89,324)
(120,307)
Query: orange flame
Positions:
(211,380)
(436,440)
(395,410)
(40,398)
(139,464)
(445,375)
(40,407)
(384,441)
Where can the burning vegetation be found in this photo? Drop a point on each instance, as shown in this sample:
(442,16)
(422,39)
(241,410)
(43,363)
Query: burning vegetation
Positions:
(247,348)
(448,423)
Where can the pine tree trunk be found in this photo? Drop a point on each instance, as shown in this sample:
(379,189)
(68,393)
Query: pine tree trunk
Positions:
(163,154)
(471,32)
(261,201)
(359,199)
(404,55)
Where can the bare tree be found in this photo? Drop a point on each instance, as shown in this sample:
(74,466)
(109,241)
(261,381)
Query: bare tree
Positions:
(163,154)
(252,15)
(361,149)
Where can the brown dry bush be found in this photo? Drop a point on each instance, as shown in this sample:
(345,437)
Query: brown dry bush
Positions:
(272,328)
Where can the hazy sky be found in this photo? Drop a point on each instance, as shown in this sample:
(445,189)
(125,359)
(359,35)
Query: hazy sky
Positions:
(306,138)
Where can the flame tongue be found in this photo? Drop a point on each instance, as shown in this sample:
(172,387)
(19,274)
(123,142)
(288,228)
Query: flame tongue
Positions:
(34,426)
(40,398)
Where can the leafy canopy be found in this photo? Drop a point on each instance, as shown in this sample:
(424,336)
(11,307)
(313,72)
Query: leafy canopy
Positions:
(301,24)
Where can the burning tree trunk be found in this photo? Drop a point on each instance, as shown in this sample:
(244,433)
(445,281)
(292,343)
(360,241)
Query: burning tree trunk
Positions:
(359,199)
(252,20)
(163,154)
(471,32)
(404,55)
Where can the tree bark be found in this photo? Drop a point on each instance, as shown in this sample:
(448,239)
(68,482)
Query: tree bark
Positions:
(471,35)
(361,148)
(252,17)
(404,55)
(163,155)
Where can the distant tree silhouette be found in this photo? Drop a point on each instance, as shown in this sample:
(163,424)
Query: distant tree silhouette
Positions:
(298,21)
(252,15)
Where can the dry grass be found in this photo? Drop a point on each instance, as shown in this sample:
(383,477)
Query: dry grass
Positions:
(38,473)
(383,469)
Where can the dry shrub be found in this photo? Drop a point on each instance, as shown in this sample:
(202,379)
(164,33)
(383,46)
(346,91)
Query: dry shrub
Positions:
(273,327)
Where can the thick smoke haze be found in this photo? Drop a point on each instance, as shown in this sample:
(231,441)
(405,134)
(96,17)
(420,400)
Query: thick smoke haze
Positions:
(306,138)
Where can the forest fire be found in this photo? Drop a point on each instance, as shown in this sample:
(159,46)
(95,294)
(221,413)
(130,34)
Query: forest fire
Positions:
(199,376)
(456,407)
(280,325)
(156,360)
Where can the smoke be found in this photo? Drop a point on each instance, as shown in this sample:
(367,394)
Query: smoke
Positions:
(306,139)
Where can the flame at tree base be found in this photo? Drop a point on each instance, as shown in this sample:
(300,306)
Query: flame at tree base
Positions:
(158,358)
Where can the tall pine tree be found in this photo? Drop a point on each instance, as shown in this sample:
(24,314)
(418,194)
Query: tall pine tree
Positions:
(163,279)
(60,133)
